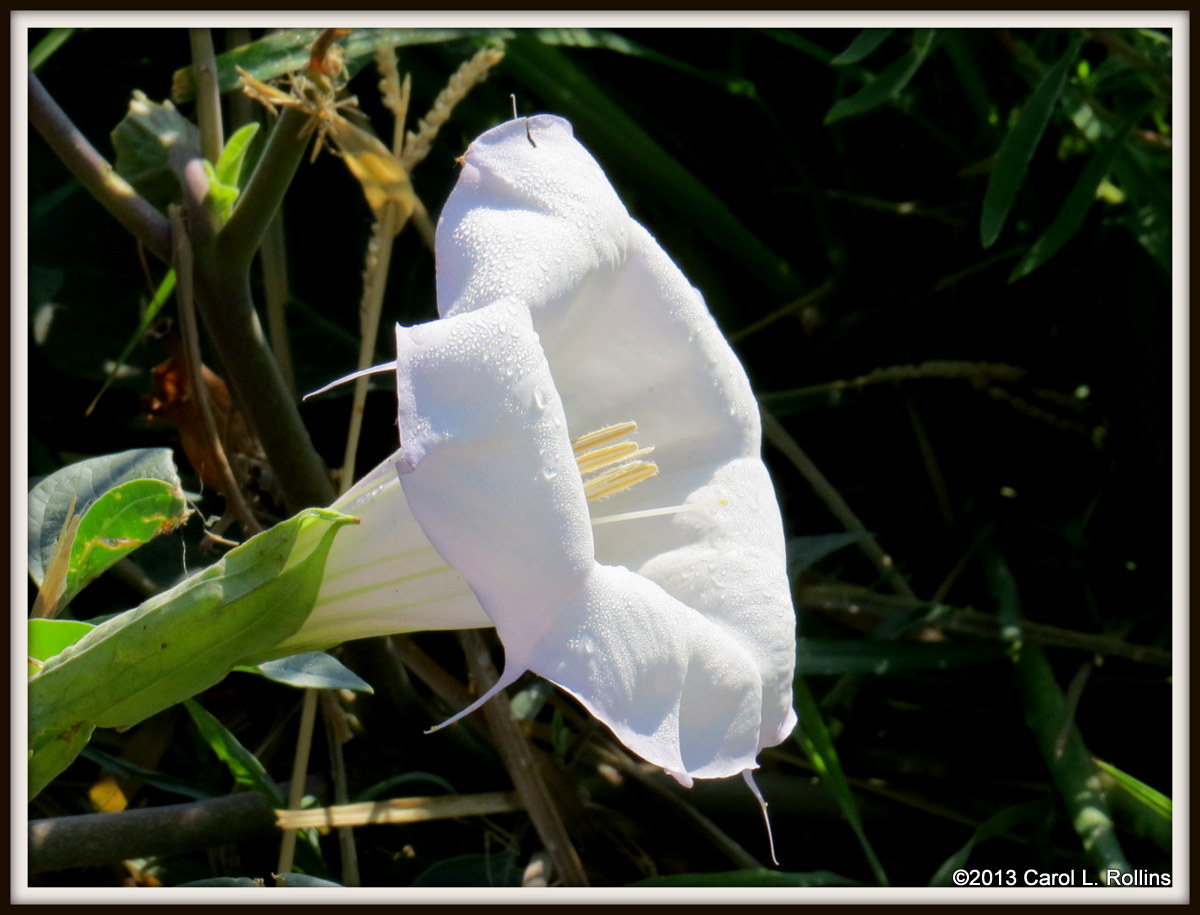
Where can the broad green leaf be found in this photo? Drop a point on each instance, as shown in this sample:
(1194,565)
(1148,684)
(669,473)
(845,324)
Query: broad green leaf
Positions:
(310,670)
(142,142)
(876,656)
(119,522)
(888,84)
(861,47)
(749,878)
(285,52)
(1077,204)
(998,823)
(243,765)
(180,642)
(1017,148)
(608,131)
(814,738)
(1146,811)
(84,482)
(48,637)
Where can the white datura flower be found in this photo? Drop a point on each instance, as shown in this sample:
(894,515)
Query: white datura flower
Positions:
(581,446)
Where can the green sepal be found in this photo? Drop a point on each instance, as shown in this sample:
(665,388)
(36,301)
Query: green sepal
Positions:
(180,642)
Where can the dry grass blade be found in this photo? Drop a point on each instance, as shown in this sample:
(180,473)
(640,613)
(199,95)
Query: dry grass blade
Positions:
(400,810)
(470,74)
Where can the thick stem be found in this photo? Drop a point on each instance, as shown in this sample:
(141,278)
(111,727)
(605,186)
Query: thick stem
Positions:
(224,299)
(263,194)
(100,838)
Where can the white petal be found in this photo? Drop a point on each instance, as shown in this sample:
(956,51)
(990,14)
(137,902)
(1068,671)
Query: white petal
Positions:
(487,466)
(670,684)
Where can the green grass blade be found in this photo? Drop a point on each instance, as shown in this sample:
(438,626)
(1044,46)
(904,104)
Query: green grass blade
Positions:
(998,823)
(750,878)
(161,295)
(243,765)
(1018,146)
(888,84)
(864,43)
(815,740)
(1146,811)
(1077,204)
(841,657)
(43,50)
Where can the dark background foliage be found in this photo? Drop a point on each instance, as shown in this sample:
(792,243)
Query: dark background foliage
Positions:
(1060,473)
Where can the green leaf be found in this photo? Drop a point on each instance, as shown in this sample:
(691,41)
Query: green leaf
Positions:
(126,769)
(1134,803)
(180,642)
(143,141)
(749,878)
(888,84)
(1018,146)
(1077,204)
(814,738)
(861,47)
(876,656)
(288,51)
(116,524)
(243,765)
(233,156)
(48,637)
(85,482)
(1001,822)
(220,196)
(310,670)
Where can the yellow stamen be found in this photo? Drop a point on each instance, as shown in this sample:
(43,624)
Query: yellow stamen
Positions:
(604,450)
(603,436)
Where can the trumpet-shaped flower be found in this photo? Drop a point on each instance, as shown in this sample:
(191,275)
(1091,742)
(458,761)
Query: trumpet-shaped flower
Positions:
(581,446)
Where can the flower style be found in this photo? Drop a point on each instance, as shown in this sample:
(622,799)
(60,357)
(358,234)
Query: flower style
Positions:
(655,592)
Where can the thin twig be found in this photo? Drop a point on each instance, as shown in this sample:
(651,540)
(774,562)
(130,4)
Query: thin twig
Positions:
(337,734)
(308,715)
(129,208)
(778,436)
(197,387)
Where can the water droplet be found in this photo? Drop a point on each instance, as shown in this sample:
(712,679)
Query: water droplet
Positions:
(539,398)
(589,646)
(549,472)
